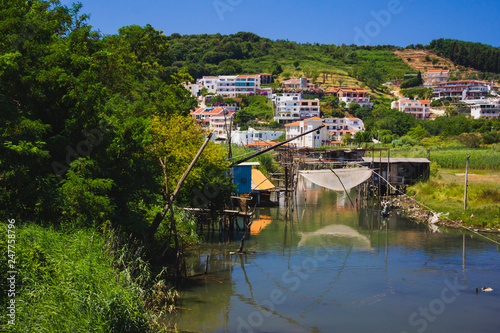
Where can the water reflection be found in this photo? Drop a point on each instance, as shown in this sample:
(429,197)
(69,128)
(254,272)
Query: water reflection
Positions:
(335,267)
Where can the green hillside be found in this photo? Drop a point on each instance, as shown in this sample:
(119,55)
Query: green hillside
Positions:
(247,53)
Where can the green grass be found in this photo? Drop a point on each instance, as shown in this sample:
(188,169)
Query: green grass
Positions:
(452,157)
(70,282)
(445,193)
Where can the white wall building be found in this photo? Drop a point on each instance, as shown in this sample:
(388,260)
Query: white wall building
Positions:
(194,88)
(421,109)
(231,85)
(252,135)
(290,107)
(220,125)
(331,134)
(350,95)
(209,82)
(435,76)
(487,111)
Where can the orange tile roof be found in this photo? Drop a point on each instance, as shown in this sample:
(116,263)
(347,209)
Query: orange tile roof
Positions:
(294,123)
(265,74)
(353,118)
(202,111)
(438,71)
(314,118)
(262,143)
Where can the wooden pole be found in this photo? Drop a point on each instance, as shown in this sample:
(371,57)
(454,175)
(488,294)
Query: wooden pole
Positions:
(159,217)
(388,178)
(380,178)
(466,181)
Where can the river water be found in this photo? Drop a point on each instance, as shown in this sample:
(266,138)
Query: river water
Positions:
(334,268)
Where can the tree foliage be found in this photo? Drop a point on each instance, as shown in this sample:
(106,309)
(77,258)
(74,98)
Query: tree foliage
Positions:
(79,115)
(482,57)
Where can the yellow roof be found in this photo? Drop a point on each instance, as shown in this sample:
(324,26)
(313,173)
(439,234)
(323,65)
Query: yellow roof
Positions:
(259,224)
(259,181)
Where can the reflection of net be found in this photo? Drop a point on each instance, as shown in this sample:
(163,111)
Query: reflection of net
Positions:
(350,177)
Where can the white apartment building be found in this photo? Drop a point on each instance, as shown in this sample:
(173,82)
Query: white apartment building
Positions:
(421,109)
(194,89)
(331,134)
(220,125)
(435,76)
(231,85)
(487,111)
(209,82)
(290,107)
(252,135)
(462,90)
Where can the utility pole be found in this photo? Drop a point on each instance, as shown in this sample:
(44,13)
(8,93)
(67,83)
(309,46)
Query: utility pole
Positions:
(466,182)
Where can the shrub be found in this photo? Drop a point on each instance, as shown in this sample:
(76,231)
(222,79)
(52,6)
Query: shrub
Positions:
(434,169)
(470,140)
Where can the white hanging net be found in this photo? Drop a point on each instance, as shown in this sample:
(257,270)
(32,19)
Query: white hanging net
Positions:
(350,177)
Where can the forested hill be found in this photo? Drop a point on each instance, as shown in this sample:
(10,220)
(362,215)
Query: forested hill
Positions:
(479,56)
(247,53)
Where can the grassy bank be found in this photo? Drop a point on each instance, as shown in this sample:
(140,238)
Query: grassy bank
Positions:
(445,193)
(79,281)
(487,158)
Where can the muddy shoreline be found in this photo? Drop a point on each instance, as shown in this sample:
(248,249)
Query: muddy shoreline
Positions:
(411,209)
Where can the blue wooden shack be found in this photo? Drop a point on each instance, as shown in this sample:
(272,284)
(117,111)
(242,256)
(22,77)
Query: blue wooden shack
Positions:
(242,177)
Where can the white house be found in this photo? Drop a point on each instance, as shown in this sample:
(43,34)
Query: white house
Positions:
(331,134)
(435,76)
(209,82)
(290,107)
(487,111)
(203,115)
(220,125)
(419,108)
(194,88)
(350,95)
(311,140)
(462,90)
(252,135)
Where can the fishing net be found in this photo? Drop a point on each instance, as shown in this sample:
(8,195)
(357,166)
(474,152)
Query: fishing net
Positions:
(350,177)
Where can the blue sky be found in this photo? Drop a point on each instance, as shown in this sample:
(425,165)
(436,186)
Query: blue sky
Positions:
(371,22)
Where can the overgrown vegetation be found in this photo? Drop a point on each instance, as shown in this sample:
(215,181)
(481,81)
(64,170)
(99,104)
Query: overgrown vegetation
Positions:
(74,280)
(445,193)
(85,119)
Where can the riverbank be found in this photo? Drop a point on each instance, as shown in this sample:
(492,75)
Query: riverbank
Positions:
(81,280)
(441,200)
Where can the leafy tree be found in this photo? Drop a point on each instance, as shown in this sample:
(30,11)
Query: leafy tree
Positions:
(353,107)
(346,138)
(418,132)
(362,112)
(470,140)
(243,117)
(177,139)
